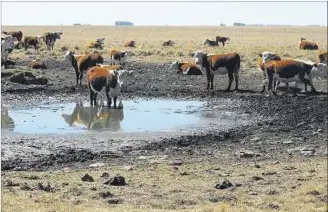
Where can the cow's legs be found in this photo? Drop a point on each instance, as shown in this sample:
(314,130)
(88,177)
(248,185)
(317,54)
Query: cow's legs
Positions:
(230,75)
(236,79)
(212,78)
(264,82)
(77,78)
(306,81)
(95,99)
(115,99)
(109,100)
(223,43)
(91,96)
(208,76)
(81,76)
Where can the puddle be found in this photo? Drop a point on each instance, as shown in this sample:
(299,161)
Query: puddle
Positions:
(136,116)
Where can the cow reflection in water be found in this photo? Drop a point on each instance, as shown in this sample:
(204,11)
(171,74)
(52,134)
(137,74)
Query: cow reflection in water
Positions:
(6,121)
(95,117)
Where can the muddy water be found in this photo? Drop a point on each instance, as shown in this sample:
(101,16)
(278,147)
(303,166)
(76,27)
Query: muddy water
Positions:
(136,116)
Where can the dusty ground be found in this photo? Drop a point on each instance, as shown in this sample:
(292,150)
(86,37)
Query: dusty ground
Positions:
(285,168)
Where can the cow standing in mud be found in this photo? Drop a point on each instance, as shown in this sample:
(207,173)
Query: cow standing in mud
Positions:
(294,71)
(220,64)
(50,39)
(81,63)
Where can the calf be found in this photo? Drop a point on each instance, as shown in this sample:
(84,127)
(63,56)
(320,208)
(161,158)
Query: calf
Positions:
(116,55)
(7,46)
(97,44)
(82,62)
(130,44)
(323,57)
(309,45)
(50,38)
(93,118)
(295,71)
(16,34)
(221,64)
(210,42)
(186,68)
(168,43)
(30,41)
(222,40)
(37,64)
(98,78)
(264,62)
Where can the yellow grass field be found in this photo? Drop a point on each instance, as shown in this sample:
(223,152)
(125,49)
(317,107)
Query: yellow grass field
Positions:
(248,41)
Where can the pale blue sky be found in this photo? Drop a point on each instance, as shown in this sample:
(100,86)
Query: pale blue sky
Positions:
(164,13)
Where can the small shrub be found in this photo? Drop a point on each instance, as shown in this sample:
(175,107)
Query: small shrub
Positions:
(64,48)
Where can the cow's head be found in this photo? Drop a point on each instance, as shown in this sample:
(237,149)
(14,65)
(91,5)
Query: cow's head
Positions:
(68,56)
(205,41)
(200,57)
(174,65)
(302,39)
(58,34)
(101,40)
(320,70)
(268,56)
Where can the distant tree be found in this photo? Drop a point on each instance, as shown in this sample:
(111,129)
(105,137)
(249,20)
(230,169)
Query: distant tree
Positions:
(238,24)
(76,24)
(122,23)
(222,24)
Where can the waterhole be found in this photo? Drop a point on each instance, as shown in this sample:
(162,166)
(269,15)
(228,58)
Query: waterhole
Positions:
(135,116)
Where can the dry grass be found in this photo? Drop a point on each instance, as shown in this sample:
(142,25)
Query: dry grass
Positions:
(157,186)
(247,41)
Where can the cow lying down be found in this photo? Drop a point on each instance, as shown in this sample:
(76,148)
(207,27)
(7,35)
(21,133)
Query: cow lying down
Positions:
(297,71)
(186,68)
(99,78)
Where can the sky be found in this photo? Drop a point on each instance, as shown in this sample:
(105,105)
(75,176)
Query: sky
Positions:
(164,13)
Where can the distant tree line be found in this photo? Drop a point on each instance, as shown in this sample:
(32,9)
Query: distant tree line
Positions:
(239,24)
(119,23)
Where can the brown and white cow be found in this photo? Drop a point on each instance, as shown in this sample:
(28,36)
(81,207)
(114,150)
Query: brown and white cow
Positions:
(264,62)
(210,42)
(118,56)
(130,43)
(16,34)
(168,43)
(323,57)
(50,38)
(220,64)
(111,67)
(297,71)
(220,39)
(309,45)
(98,44)
(186,68)
(99,78)
(30,41)
(82,63)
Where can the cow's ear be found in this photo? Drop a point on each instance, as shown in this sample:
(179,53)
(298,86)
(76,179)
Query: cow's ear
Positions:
(315,65)
(260,55)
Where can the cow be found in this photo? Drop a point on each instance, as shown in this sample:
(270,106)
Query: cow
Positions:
(130,43)
(228,63)
(30,41)
(116,55)
(186,68)
(263,61)
(7,46)
(50,38)
(294,71)
(81,63)
(309,45)
(323,57)
(16,34)
(99,78)
(95,118)
(210,42)
(37,64)
(222,40)
(98,44)
(168,43)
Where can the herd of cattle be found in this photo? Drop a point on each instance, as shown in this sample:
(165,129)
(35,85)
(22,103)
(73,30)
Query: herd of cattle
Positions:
(274,68)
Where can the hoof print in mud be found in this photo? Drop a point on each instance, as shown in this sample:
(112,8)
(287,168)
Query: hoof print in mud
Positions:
(87,178)
(115,181)
(28,78)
